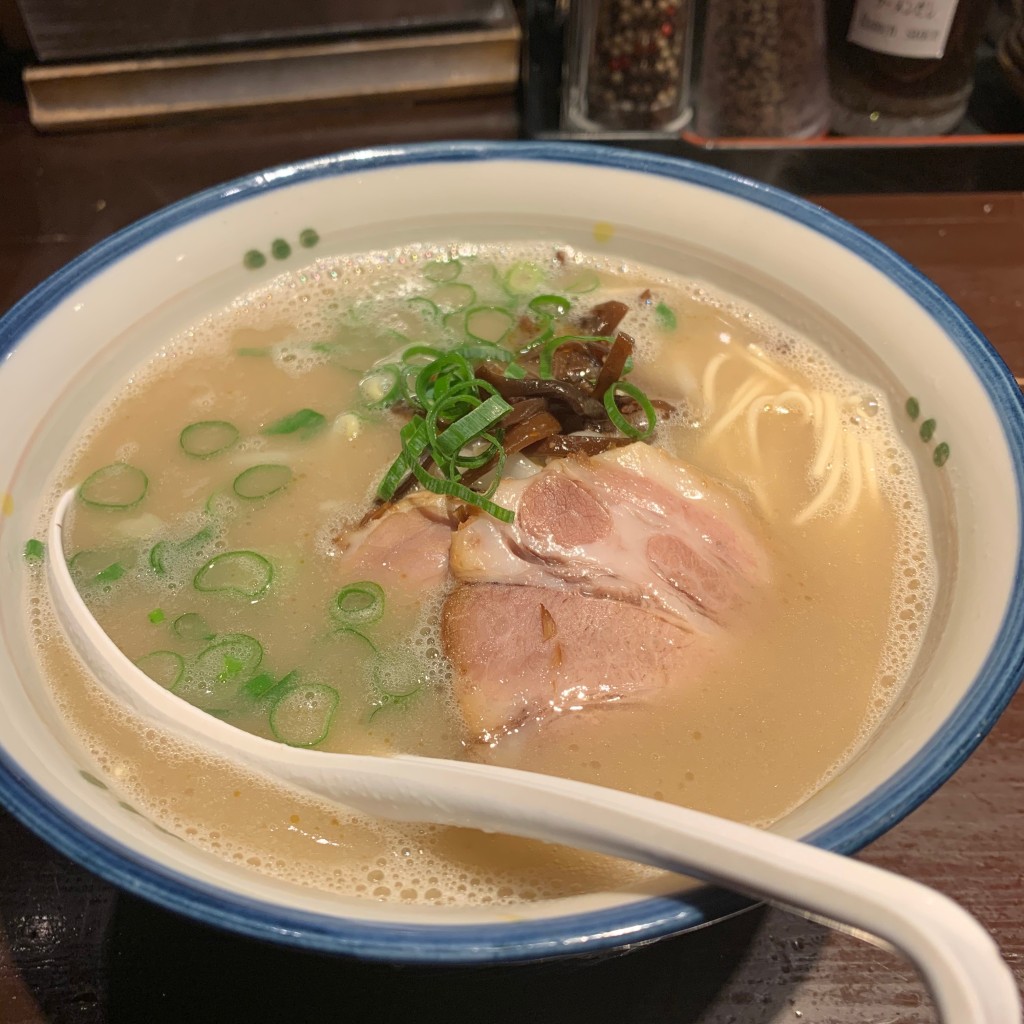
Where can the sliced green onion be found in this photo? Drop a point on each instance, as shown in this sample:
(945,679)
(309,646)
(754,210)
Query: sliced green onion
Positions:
(219,504)
(450,298)
(488,323)
(462,431)
(456,490)
(398,677)
(163,667)
(459,402)
(392,700)
(422,305)
(158,556)
(215,677)
(156,616)
(165,553)
(382,385)
(117,486)
(192,627)
(349,425)
(364,641)
(207,438)
(244,573)
(523,278)
(455,321)
(485,352)
(34,550)
(266,689)
(437,377)
(410,371)
(620,421)
(260,685)
(665,317)
(514,371)
(231,654)
(101,566)
(305,422)
(493,452)
(584,280)
(490,283)
(262,481)
(326,347)
(545,330)
(413,360)
(440,271)
(414,442)
(420,352)
(452,388)
(302,716)
(456,416)
(550,305)
(484,449)
(358,604)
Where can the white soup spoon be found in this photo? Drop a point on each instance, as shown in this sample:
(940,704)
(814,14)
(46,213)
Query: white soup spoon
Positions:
(961,964)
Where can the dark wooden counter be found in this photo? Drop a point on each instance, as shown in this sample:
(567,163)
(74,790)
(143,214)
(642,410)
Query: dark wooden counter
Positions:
(73,950)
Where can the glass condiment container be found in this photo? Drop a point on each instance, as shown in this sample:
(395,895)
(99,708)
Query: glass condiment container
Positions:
(1011,50)
(627,66)
(902,67)
(763,69)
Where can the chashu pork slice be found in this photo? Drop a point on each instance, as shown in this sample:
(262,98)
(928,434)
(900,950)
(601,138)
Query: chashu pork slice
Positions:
(621,575)
(525,657)
(404,550)
(634,524)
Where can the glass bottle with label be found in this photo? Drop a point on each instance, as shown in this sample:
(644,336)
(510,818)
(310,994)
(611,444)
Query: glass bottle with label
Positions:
(763,69)
(902,67)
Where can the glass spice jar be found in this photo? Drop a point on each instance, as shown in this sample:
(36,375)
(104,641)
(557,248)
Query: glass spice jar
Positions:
(902,67)
(1011,51)
(763,70)
(627,66)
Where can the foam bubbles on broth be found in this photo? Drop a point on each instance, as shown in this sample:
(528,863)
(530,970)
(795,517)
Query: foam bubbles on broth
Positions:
(312,844)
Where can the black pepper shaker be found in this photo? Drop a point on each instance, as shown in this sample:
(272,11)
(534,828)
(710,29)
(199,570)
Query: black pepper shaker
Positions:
(764,69)
(627,66)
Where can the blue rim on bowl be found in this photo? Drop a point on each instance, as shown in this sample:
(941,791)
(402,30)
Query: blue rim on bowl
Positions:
(592,931)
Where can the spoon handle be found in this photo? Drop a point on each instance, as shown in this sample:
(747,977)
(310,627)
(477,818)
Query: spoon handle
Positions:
(961,964)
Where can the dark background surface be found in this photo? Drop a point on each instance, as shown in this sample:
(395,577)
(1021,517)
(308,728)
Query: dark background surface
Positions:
(73,950)
(76,29)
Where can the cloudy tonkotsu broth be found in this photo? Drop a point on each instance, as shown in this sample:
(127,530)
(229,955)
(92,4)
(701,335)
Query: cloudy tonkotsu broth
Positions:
(796,679)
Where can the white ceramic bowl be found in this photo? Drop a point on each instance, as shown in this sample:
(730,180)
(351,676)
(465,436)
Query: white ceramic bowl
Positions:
(69,341)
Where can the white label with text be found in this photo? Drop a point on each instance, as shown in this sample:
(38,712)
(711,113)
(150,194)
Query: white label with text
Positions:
(903,28)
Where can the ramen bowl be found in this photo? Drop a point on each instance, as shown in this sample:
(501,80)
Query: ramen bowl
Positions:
(68,343)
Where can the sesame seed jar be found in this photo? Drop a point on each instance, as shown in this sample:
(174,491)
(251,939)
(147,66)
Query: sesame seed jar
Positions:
(627,66)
